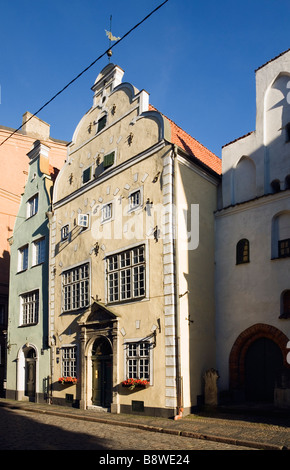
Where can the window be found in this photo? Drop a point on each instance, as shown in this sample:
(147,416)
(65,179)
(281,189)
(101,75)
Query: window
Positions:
(38,251)
(87,174)
(135,200)
(83,220)
(32,206)
(138,360)
(284,248)
(243,251)
(126,275)
(101,123)
(285,304)
(69,361)
(280,235)
(287,128)
(2,314)
(29,307)
(287,182)
(64,232)
(106,212)
(76,288)
(275,185)
(109,160)
(23,258)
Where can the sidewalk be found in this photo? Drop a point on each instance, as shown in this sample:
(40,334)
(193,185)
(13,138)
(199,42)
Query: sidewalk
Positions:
(267,430)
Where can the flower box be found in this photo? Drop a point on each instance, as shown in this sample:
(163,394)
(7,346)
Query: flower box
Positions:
(131,384)
(67,380)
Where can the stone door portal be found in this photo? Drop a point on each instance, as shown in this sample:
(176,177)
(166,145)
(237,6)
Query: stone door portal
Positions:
(30,373)
(102,360)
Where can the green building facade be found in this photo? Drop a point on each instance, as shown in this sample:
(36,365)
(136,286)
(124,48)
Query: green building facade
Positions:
(28,353)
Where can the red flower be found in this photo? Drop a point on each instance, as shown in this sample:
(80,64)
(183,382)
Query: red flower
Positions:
(67,380)
(132,383)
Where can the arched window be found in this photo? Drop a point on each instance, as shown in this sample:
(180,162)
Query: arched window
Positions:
(243,251)
(245,180)
(287,182)
(275,185)
(285,304)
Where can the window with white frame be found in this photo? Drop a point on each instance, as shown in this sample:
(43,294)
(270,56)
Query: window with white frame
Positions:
(135,200)
(75,288)
(106,212)
(64,232)
(83,221)
(138,360)
(69,361)
(23,258)
(126,275)
(32,206)
(29,307)
(38,251)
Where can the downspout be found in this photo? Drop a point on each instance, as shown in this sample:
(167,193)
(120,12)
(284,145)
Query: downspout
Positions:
(179,384)
(50,345)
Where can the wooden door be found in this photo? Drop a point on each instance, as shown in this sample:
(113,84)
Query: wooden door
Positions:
(263,363)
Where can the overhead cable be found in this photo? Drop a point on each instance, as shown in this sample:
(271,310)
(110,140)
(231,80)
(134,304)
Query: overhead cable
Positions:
(85,70)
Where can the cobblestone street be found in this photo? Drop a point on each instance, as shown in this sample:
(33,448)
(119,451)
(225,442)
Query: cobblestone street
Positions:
(23,430)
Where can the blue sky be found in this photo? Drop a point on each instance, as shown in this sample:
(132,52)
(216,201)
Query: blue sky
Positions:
(197,59)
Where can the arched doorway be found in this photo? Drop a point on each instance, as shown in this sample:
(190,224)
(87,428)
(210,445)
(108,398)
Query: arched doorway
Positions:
(30,373)
(257,359)
(263,366)
(102,362)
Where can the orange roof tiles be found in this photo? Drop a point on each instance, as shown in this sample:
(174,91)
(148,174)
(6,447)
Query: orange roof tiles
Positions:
(192,147)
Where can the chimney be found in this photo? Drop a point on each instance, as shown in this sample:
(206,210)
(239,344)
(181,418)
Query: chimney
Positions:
(35,127)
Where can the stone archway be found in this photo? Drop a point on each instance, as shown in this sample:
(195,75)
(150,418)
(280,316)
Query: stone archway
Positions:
(27,373)
(99,327)
(102,362)
(248,337)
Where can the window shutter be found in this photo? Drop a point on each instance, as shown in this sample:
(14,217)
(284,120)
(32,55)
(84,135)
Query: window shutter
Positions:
(109,159)
(102,123)
(86,175)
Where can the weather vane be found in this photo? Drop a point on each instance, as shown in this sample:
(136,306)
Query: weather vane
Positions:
(111,38)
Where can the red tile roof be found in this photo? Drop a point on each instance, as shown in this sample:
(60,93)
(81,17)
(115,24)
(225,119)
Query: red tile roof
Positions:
(192,147)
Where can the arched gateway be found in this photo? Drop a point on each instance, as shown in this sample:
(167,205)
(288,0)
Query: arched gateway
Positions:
(257,360)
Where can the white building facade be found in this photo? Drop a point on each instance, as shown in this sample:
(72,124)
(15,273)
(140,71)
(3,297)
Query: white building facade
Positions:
(253,248)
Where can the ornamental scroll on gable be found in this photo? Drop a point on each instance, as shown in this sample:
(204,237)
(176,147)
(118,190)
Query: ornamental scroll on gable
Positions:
(97,313)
